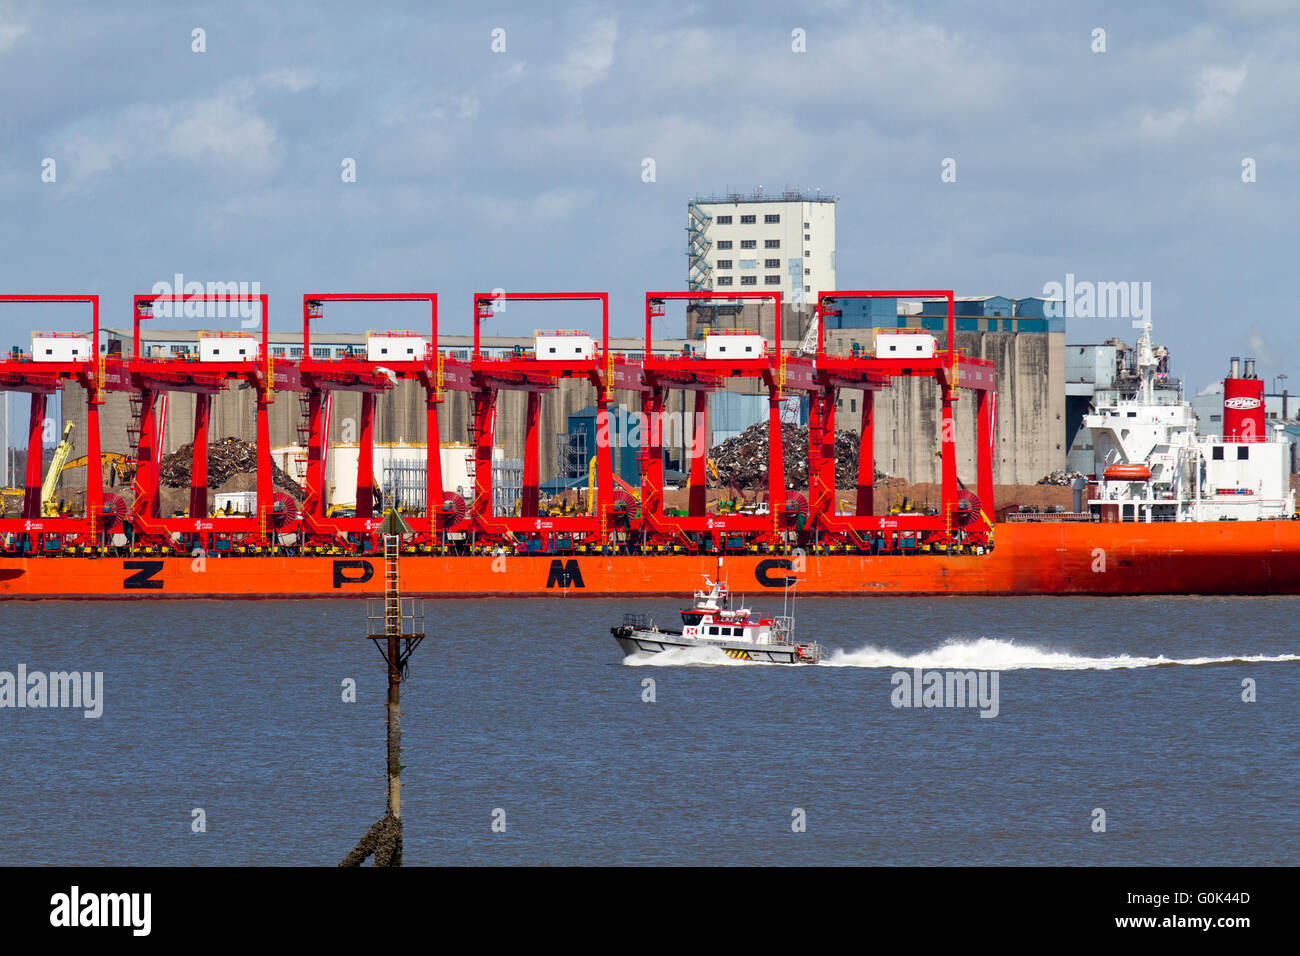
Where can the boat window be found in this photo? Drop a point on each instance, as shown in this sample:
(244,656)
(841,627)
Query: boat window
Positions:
(691,617)
(713,631)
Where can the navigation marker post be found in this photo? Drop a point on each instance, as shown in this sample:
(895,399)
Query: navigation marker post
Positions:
(397,628)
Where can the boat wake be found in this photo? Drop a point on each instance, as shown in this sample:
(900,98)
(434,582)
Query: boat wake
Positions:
(990,654)
(686,656)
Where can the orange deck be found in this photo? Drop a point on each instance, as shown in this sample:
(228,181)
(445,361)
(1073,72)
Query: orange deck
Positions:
(1046,558)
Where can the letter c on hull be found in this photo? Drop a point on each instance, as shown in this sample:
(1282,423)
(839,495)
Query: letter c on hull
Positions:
(763,572)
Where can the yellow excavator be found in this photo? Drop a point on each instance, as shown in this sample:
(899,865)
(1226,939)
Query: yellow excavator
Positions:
(118,469)
(48,507)
(591,486)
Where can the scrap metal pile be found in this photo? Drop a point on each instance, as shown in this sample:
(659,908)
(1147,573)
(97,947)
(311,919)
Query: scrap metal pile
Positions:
(743,460)
(226,459)
(1060,477)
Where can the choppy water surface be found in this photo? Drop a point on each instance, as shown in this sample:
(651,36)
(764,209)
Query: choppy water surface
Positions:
(1133,706)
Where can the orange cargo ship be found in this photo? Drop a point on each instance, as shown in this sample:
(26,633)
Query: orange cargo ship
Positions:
(1032,558)
(1153,536)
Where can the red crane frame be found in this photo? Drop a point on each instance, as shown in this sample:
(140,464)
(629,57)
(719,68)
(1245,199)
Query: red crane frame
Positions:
(432,370)
(40,380)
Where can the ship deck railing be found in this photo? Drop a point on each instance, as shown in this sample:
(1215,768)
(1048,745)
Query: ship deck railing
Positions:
(1073,516)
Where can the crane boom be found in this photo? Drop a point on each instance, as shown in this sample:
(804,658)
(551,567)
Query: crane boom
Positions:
(51,482)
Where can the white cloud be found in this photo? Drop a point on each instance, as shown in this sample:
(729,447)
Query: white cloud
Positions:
(223,133)
(550,206)
(289,78)
(591,56)
(1259,8)
(11,31)
(1216,91)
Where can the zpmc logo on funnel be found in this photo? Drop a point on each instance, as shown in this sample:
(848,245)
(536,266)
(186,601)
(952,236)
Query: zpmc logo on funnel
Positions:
(1242,404)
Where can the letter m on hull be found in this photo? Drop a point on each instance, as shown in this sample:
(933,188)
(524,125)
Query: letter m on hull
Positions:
(564,574)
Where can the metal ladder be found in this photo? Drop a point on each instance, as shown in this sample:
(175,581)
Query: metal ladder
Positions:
(392,599)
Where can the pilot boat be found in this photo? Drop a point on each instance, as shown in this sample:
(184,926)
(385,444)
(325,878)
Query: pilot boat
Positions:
(713,623)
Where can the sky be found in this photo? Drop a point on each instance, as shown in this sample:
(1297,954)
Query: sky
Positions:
(524,168)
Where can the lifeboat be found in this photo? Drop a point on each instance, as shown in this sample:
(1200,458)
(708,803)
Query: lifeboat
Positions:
(1127,473)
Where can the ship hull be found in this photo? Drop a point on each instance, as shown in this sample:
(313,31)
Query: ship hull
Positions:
(1247,558)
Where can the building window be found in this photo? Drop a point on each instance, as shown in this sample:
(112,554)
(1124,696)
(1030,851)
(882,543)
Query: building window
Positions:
(807,237)
(749,263)
(295,353)
(749,280)
(724,263)
(749,243)
(771,263)
(277,350)
(807,225)
(724,243)
(724,220)
(322,352)
(772,219)
(807,253)
(746,220)
(771,243)
(1243,453)
(771,280)
(807,272)
(724,280)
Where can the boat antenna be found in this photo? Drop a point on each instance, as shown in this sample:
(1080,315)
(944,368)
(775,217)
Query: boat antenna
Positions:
(787,599)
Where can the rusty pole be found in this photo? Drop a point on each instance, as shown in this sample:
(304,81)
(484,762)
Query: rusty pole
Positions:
(393,631)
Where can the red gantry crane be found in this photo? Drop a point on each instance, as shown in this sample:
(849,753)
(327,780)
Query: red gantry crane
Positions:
(59,358)
(727,354)
(900,353)
(388,358)
(221,357)
(556,355)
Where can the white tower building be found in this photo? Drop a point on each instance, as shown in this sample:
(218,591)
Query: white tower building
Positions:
(763,243)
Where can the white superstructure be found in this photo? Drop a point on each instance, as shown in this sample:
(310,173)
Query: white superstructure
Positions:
(1150,463)
(564,346)
(228,348)
(734,345)
(906,344)
(395,347)
(60,347)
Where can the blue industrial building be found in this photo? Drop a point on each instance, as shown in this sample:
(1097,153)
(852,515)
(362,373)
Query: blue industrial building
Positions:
(983,313)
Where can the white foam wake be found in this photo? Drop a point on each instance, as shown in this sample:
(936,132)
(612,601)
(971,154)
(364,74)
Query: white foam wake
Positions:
(684,656)
(990,654)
